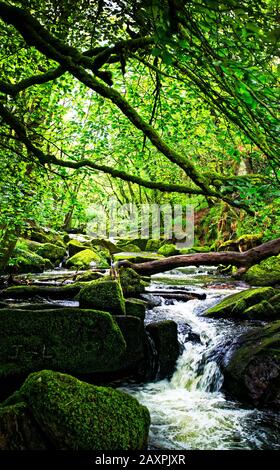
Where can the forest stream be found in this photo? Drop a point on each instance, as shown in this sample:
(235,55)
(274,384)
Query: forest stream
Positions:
(190,411)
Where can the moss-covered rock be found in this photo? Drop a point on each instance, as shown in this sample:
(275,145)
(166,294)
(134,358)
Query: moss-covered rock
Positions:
(140,257)
(52,252)
(165,337)
(67,339)
(46,235)
(168,249)
(131,282)
(24,261)
(75,415)
(154,244)
(266,273)
(123,242)
(107,244)
(19,430)
(75,246)
(69,291)
(105,294)
(252,371)
(85,259)
(237,305)
(135,308)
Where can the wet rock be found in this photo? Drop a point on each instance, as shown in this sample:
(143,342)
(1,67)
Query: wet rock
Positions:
(75,415)
(66,339)
(252,370)
(19,430)
(135,308)
(135,359)
(238,305)
(104,294)
(165,337)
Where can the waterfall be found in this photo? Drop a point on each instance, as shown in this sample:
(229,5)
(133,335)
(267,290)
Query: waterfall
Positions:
(190,411)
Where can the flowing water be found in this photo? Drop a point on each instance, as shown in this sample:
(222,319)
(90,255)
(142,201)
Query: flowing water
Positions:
(190,411)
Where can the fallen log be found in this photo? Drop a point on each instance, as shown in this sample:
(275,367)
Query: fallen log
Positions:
(241,260)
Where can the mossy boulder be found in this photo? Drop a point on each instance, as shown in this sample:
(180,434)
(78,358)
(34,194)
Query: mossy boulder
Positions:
(19,430)
(66,339)
(46,235)
(237,305)
(154,244)
(69,291)
(52,252)
(85,259)
(265,310)
(75,415)
(24,261)
(107,244)
(266,273)
(131,248)
(252,370)
(75,246)
(105,294)
(165,337)
(123,242)
(131,282)
(168,249)
(135,308)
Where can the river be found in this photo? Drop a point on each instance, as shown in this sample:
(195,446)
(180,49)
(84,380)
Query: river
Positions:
(191,411)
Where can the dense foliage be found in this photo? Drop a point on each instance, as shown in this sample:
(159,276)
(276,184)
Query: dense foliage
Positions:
(146,101)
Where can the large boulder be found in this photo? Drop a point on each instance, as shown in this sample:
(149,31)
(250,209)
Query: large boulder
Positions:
(54,253)
(105,294)
(75,246)
(66,339)
(75,415)
(19,430)
(86,259)
(266,273)
(136,308)
(131,282)
(252,370)
(240,305)
(24,261)
(165,337)
(154,244)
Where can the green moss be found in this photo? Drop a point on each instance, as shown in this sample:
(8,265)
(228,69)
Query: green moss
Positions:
(75,246)
(236,305)
(266,273)
(168,250)
(69,291)
(107,244)
(132,248)
(105,294)
(153,244)
(75,415)
(65,339)
(137,257)
(24,261)
(89,276)
(53,252)
(84,259)
(131,282)
(135,308)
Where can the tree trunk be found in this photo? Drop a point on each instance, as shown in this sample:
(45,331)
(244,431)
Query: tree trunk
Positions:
(241,260)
